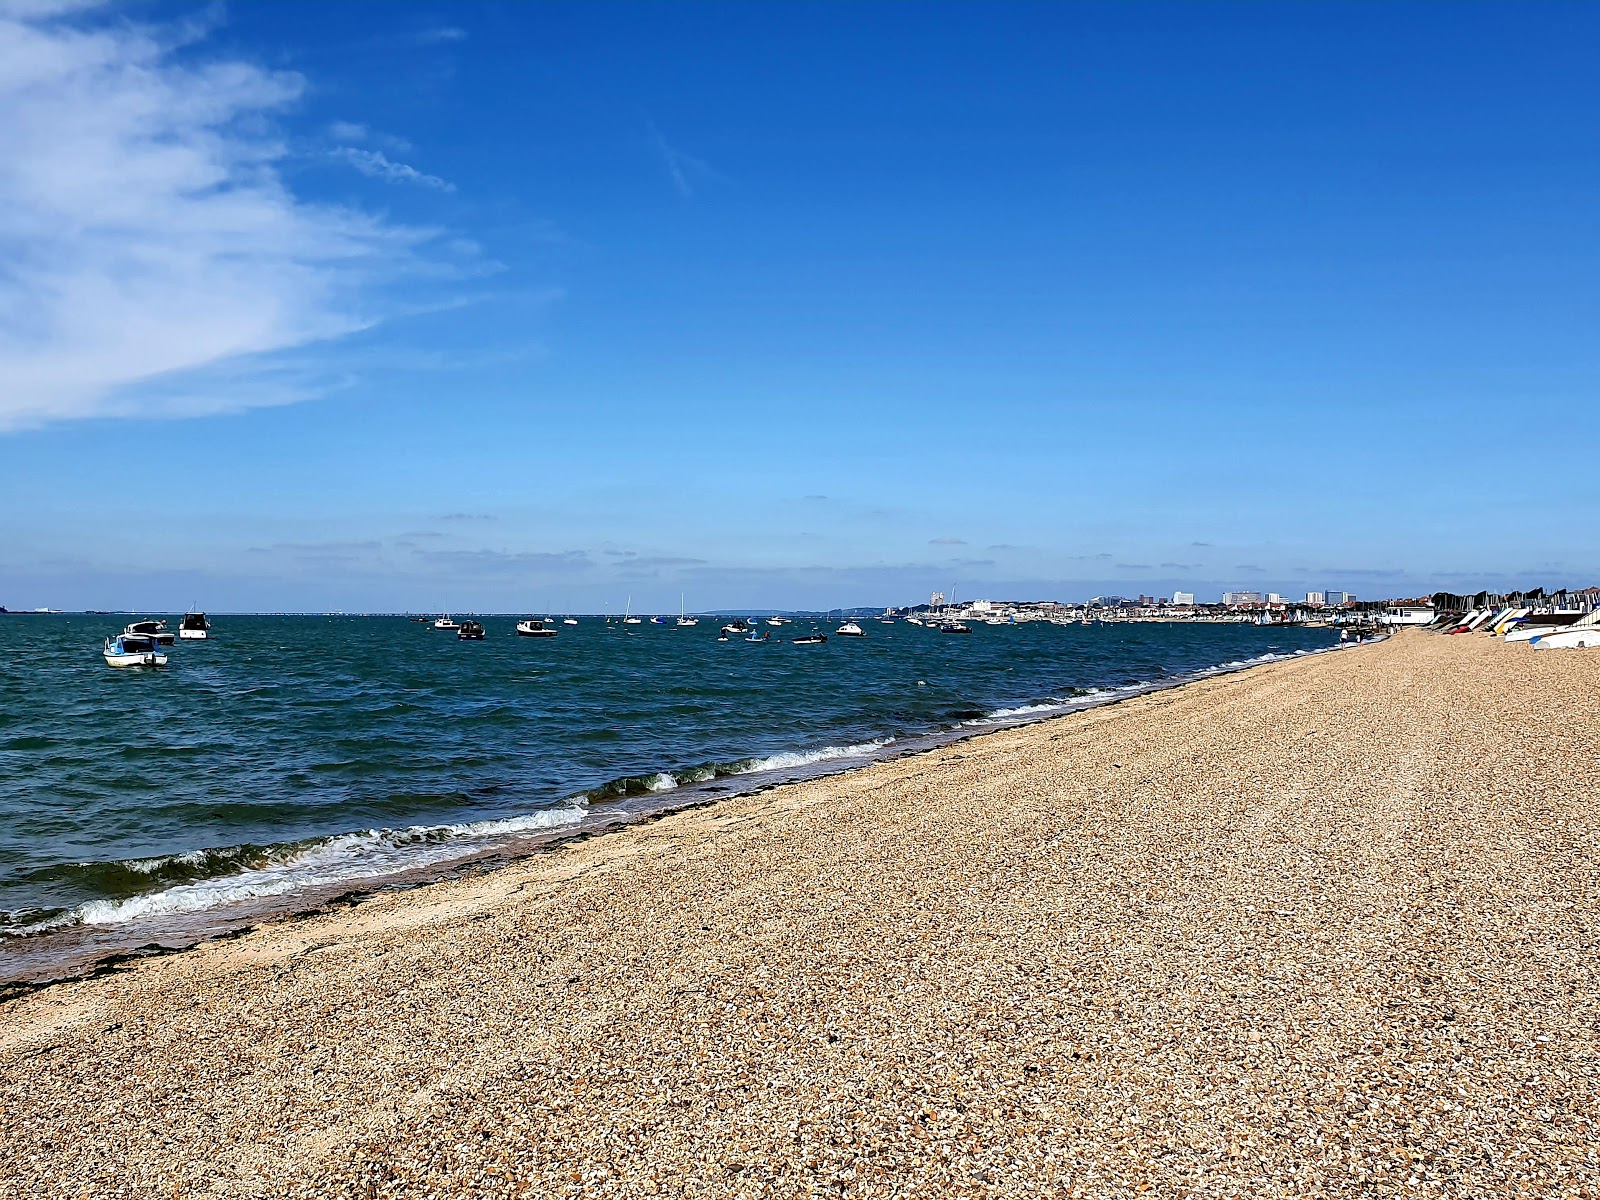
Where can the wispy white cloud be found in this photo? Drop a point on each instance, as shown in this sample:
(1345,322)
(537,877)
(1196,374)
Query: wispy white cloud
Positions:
(347,131)
(682,168)
(438,34)
(378,165)
(146,231)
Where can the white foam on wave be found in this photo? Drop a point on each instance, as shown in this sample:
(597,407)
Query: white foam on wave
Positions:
(805,758)
(1001,715)
(661,781)
(346,857)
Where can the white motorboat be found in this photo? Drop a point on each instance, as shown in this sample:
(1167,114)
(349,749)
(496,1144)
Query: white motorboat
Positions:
(777,621)
(1573,637)
(156,631)
(1540,623)
(739,627)
(132,650)
(954,627)
(850,629)
(1582,633)
(534,628)
(446,623)
(569,620)
(194,627)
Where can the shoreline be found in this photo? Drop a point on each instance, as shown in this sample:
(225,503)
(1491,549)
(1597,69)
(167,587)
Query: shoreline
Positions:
(1330,926)
(82,952)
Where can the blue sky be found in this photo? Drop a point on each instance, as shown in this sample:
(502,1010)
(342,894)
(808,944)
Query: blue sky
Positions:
(526,307)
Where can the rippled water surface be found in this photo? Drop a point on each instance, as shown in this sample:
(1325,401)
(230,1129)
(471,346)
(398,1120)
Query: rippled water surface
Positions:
(292,751)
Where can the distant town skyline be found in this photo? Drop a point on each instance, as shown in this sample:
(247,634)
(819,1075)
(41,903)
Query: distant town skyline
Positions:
(543,307)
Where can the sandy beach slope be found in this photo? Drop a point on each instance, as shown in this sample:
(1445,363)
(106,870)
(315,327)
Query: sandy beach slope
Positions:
(1326,927)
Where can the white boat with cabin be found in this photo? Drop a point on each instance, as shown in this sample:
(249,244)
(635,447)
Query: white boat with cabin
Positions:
(194,627)
(156,631)
(446,622)
(133,650)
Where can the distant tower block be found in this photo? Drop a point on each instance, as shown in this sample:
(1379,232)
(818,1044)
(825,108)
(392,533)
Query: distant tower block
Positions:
(936,600)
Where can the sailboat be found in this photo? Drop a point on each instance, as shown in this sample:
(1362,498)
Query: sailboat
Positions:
(684,619)
(628,618)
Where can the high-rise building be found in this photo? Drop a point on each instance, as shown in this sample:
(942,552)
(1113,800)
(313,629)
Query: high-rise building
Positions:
(1183,598)
(1274,598)
(1241,597)
(1317,599)
(1337,598)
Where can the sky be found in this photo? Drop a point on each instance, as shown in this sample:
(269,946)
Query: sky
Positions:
(560,307)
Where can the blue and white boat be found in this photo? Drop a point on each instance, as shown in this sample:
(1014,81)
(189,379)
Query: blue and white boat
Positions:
(134,650)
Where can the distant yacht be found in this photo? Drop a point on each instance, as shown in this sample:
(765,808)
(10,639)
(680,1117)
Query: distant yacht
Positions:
(470,631)
(534,628)
(954,627)
(194,627)
(777,620)
(685,621)
(810,639)
(569,620)
(739,626)
(445,622)
(850,629)
(628,618)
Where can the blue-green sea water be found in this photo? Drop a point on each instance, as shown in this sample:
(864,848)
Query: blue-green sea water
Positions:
(288,754)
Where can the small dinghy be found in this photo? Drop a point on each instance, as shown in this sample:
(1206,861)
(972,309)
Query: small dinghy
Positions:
(470,631)
(810,639)
(132,650)
(531,628)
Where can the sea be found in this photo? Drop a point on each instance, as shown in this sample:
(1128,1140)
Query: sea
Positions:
(288,760)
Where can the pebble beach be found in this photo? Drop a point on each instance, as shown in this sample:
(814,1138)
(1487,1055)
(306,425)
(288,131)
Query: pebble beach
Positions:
(1325,927)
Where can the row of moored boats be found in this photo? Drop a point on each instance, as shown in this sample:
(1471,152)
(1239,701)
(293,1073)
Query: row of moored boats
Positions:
(144,643)
(472,631)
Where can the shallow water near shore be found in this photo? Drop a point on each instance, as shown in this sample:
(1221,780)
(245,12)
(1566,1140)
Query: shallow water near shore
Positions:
(289,755)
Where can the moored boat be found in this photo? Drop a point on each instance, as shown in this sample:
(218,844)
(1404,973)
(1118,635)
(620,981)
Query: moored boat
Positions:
(194,627)
(955,627)
(156,631)
(445,622)
(133,650)
(810,639)
(534,628)
(850,629)
(470,631)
